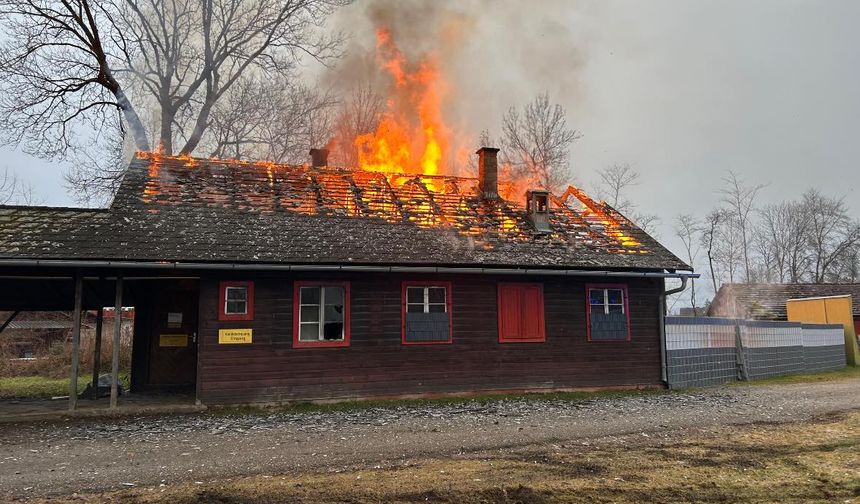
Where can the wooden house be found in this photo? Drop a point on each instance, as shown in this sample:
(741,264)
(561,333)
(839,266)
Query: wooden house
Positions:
(259,282)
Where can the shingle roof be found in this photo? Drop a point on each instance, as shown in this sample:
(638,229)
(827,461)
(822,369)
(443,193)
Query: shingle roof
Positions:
(767,301)
(196,210)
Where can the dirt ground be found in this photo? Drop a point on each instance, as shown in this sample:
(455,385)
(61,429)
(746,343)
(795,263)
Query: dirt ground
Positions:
(475,452)
(808,461)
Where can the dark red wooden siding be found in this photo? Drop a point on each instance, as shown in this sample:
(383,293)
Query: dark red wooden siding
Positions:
(376,363)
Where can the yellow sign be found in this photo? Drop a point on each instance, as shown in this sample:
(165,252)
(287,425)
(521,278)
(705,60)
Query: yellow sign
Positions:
(173,340)
(234,336)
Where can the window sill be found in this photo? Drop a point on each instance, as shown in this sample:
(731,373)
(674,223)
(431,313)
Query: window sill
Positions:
(320,344)
(446,342)
(542,340)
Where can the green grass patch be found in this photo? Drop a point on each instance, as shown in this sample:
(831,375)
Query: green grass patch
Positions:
(845,373)
(41,387)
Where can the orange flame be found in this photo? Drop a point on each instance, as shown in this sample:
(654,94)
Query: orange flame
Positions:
(411,136)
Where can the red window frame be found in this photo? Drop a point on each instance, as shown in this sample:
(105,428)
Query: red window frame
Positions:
(588,288)
(540,314)
(222,298)
(448,305)
(297,285)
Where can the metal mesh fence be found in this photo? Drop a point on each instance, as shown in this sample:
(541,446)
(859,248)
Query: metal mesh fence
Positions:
(700,351)
(823,347)
(707,351)
(771,348)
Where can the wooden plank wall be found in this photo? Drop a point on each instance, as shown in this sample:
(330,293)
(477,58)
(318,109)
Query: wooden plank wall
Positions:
(376,363)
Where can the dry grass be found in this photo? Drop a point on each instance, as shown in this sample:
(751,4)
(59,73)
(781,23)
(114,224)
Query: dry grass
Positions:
(804,462)
(55,362)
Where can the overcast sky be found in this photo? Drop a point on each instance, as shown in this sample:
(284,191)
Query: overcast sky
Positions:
(682,90)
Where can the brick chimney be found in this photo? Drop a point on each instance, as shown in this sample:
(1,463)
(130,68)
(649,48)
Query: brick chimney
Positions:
(319,158)
(488,172)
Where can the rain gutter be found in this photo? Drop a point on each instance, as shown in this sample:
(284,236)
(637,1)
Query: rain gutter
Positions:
(174,265)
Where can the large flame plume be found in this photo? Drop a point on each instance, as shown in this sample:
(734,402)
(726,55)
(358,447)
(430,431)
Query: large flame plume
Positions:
(412,135)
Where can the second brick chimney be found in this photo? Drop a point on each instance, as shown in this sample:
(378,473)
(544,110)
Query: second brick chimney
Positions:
(319,158)
(488,172)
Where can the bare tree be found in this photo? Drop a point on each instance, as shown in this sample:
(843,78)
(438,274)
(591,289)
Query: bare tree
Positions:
(57,72)
(832,234)
(8,186)
(650,223)
(783,234)
(358,115)
(73,62)
(740,199)
(277,121)
(709,238)
(15,191)
(536,142)
(615,181)
(687,229)
(190,53)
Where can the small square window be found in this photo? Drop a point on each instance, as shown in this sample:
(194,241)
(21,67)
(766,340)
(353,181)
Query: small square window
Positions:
(426,317)
(607,313)
(236,301)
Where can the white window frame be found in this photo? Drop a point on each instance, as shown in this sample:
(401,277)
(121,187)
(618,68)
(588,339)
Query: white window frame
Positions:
(227,300)
(321,320)
(426,303)
(606,303)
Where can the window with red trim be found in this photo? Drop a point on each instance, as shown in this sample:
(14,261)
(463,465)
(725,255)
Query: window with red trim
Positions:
(608,313)
(320,314)
(521,309)
(236,300)
(426,313)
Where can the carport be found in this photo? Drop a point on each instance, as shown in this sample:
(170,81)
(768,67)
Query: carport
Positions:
(77,288)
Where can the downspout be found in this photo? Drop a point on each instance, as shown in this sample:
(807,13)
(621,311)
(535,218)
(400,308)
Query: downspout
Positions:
(664,371)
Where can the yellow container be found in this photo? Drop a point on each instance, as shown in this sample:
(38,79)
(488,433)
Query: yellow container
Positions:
(828,310)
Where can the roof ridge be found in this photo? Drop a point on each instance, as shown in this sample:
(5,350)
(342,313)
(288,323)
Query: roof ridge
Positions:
(194,160)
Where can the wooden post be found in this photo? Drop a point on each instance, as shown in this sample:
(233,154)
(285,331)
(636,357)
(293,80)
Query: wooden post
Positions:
(76,341)
(97,351)
(9,320)
(117,330)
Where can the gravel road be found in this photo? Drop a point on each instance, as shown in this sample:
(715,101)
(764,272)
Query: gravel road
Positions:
(88,455)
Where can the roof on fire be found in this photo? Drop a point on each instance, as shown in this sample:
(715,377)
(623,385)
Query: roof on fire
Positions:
(767,301)
(198,210)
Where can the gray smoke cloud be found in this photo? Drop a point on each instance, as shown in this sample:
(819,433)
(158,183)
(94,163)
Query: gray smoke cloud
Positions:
(492,55)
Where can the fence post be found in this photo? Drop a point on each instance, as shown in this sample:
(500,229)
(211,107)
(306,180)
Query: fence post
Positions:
(739,348)
(117,332)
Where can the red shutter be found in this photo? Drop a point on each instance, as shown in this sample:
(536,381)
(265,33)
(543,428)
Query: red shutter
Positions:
(532,318)
(509,312)
(521,313)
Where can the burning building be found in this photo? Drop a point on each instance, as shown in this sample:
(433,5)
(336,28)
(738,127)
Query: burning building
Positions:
(381,273)
(256,281)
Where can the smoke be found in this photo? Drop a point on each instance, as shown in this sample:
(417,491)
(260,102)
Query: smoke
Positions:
(484,74)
